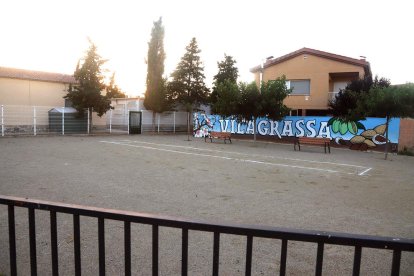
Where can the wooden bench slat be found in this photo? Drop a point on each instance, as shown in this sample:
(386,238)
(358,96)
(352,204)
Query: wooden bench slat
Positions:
(218,135)
(313,141)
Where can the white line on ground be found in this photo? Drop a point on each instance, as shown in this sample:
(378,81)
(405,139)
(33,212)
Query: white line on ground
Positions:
(367,170)
(256,155)
(227,158)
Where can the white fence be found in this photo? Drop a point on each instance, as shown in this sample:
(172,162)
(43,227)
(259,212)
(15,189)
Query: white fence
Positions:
(36,120)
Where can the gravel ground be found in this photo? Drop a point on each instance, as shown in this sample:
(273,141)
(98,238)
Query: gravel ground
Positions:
(244,182)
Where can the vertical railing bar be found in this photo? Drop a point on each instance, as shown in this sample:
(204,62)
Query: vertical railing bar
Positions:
(283,257)
(53,243)
(184,251)
(357,261)
(216,253)
(12,242)
(32,238)
(101,245)
(319,259)
(396,260)
(249,249)
(76,241)
(127,245)
(155,250)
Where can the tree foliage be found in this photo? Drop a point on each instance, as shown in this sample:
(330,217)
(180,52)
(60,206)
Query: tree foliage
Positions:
(273,94)
(87,93)
(345,103)
(392,101)
(112,90)
(228,99)
(155,95)
(388,102)
(187,86)
(227,70)
(250,105)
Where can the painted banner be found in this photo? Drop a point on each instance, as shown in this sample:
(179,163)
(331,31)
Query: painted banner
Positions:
(370,132)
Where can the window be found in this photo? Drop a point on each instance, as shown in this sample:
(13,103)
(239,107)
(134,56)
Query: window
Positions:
(299,87)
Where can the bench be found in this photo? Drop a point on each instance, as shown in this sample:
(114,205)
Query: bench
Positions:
(313,141)
(218,135)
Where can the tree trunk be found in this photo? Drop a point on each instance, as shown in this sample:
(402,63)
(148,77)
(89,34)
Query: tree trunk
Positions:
(386,137)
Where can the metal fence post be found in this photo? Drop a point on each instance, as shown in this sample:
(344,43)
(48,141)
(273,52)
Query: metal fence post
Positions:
(110,121)
(34,120)
(88,121)
(63,120)
(159,115)
(2,120)
(127,119)
(174,121)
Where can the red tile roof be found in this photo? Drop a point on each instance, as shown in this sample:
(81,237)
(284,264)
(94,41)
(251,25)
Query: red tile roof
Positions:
(14,73)
(344,59)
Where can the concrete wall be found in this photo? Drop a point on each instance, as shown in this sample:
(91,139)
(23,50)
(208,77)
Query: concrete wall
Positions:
(406,135)
(32,93)
(317,70)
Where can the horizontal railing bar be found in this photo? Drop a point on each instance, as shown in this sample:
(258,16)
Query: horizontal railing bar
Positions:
(235,229)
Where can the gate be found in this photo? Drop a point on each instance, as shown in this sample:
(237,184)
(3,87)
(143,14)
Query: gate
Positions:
(135,122)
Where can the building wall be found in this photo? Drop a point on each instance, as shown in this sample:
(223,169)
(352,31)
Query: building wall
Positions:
(406,135)
(316,69)
(32,93)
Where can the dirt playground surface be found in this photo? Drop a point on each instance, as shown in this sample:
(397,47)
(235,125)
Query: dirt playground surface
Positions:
(244,182)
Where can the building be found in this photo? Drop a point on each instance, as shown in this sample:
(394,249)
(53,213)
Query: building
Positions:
(33,88)
(314,76)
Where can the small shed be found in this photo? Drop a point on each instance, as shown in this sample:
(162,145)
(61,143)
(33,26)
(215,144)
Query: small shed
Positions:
(69,118)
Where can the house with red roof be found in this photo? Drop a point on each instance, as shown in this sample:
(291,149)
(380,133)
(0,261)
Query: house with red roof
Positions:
(314,76)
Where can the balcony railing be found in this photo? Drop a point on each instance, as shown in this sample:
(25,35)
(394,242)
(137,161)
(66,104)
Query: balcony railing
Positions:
(320,238)
(331,95)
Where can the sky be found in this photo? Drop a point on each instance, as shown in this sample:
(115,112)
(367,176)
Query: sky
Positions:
(53,35)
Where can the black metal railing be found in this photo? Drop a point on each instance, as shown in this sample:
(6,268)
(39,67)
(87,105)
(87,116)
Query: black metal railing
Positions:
(397,245)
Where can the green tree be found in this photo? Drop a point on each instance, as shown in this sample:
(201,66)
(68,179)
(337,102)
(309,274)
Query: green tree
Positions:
(344,105)
(87,93)
(274,93)
(227,70)
(112,90)
(388,102)
(250,105)
(187,86)
(155,95)
(228,98)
